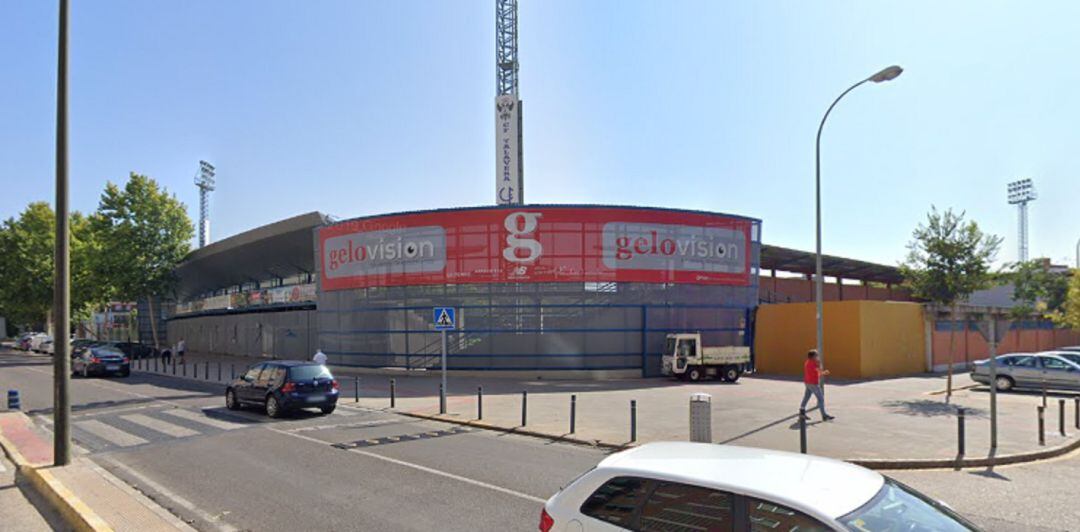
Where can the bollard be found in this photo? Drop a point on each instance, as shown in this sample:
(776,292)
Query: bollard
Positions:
(393,392)
(1042,425)
(524,405)
(195,370)
(442,399)
(206,371)
(219,371)
(1061,416)
(155,365)
(1077,411)
(633,420)
(173,362)
(802,430)
(183,370)
(232,372)
(701,418)
(13,400)
(960,440)
(479,402)
(356,390)
(573,412)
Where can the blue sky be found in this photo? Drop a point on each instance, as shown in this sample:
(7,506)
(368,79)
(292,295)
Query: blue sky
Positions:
(363,107)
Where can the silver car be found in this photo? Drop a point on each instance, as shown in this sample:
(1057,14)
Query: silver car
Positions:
(1031,370)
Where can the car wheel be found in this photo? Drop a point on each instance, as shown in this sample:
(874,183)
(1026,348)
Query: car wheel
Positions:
(273,407)
(731,373)
(1004,383)
(327,410)
(230,400)
(694,374)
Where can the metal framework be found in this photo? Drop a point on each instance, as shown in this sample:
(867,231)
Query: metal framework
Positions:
(506,47)
(205,181)
(1020,194)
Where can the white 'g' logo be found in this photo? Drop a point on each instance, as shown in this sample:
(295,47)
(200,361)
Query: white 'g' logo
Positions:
(514,242)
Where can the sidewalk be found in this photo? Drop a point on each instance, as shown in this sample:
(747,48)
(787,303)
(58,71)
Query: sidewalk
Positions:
(894,419)
(82,493)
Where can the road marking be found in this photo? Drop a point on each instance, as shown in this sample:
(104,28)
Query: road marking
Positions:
(215,521)
(425,469)
(110,433)
(347,425)
(402,437)
(163,427)
(202,418)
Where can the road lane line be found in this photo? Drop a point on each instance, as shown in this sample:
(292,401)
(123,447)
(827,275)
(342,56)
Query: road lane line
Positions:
(109,433)
(425,469)
(160,426)
(172,496)
(203,419)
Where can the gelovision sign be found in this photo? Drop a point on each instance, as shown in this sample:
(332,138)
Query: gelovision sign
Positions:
(543,244)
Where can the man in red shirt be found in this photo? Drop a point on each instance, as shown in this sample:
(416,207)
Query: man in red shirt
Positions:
(812,374)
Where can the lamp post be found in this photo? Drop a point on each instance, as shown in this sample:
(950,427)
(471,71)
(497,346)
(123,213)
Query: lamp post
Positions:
(887,74)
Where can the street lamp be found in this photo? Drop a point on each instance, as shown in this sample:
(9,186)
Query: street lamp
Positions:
(887,74)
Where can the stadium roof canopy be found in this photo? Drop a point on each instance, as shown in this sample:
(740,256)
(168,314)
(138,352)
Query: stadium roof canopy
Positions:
(793,260)
(278,250)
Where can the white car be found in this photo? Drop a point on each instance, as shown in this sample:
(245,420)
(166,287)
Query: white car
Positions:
(36,341)
(699,486)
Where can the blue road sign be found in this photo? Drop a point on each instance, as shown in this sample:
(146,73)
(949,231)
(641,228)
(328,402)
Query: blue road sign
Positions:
(444,318)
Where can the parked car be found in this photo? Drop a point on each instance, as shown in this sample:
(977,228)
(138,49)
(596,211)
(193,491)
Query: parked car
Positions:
(284,385)
(37,340)
(135,350)
(46,346)
(1030,370)
(23,342)
(1071,348)
(100,360)
(699,486)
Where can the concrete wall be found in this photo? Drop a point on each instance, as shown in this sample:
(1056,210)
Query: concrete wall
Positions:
(968,346)
(285,334)
(863,339)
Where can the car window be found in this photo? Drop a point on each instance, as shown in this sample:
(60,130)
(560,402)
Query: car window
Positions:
(1054,363)
(268,371)
(277,375)
(765,516)
(253,372)
(107,352)
(1074,358)
(307,373)
(617,500)
(897,507)
(1023,362)
(682,508)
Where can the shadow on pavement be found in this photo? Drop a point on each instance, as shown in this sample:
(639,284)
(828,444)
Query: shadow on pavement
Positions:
(929,408)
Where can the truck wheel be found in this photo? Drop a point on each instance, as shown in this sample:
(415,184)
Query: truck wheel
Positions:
(694,374)
(731,373)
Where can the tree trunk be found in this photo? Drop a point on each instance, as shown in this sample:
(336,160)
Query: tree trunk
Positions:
(153,322)
(952,355)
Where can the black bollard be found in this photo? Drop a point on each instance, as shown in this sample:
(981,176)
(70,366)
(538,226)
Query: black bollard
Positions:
(573,412)
(393,392)
(1042,425)
(356,390)
(1061,416)
(156,366)
(183,370)
(442,399)
(206,371)
(524,406)
(960,431)
(173,363)
(479,402)
(1077,411)
(633,420)
(802,430)
(232,371)
(219,371)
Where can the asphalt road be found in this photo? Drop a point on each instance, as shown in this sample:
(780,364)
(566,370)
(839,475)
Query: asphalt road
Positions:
(223,470)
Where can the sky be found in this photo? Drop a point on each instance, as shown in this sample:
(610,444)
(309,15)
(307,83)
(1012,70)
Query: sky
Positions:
(357,107)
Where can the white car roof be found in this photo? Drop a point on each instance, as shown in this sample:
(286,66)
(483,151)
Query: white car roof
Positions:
(829,487)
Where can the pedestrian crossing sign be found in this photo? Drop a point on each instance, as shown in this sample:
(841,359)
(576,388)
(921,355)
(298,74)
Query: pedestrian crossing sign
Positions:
(444,318)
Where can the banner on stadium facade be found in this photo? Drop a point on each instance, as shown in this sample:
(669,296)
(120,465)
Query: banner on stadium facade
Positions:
(543,244)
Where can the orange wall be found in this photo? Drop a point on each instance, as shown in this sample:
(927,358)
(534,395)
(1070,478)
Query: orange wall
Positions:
(969,346)
(798,290)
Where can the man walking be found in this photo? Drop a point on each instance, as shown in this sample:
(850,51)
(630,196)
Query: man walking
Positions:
(812,374)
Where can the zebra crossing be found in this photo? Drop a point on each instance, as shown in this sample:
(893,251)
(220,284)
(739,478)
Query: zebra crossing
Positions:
(123,430)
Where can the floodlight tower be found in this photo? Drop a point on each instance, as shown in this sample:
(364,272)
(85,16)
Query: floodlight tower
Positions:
(205,181)
(509,168)
(1020,194)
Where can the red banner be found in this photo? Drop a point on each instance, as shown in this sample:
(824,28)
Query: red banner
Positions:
(542,244)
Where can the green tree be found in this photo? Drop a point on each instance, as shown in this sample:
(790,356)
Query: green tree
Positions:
(27,247)
(1068,314)
(948,259)
(144,232)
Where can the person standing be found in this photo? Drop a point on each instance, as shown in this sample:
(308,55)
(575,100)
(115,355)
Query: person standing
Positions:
(181,347)
(812,374)
(319,358)
(166,355)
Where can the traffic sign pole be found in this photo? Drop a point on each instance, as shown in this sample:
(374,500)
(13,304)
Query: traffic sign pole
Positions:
(444,320)
(442,400)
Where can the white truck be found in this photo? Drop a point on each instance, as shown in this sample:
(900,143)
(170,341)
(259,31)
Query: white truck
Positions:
(686,358)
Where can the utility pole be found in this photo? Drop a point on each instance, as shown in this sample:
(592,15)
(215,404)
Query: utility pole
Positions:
(61,281)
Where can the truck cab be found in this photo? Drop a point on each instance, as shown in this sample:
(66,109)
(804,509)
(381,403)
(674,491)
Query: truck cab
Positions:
(685,357)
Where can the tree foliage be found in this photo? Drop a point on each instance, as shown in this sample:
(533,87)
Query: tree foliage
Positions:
(948,258)
(1037,291)
(144,233)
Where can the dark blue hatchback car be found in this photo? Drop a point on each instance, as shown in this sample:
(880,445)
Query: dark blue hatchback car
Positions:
(284,385)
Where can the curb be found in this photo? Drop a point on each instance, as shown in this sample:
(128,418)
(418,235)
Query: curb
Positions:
(869,463)
(521,431)
(75,513)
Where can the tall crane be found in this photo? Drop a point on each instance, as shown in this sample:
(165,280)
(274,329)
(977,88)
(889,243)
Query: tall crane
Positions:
(509,166)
